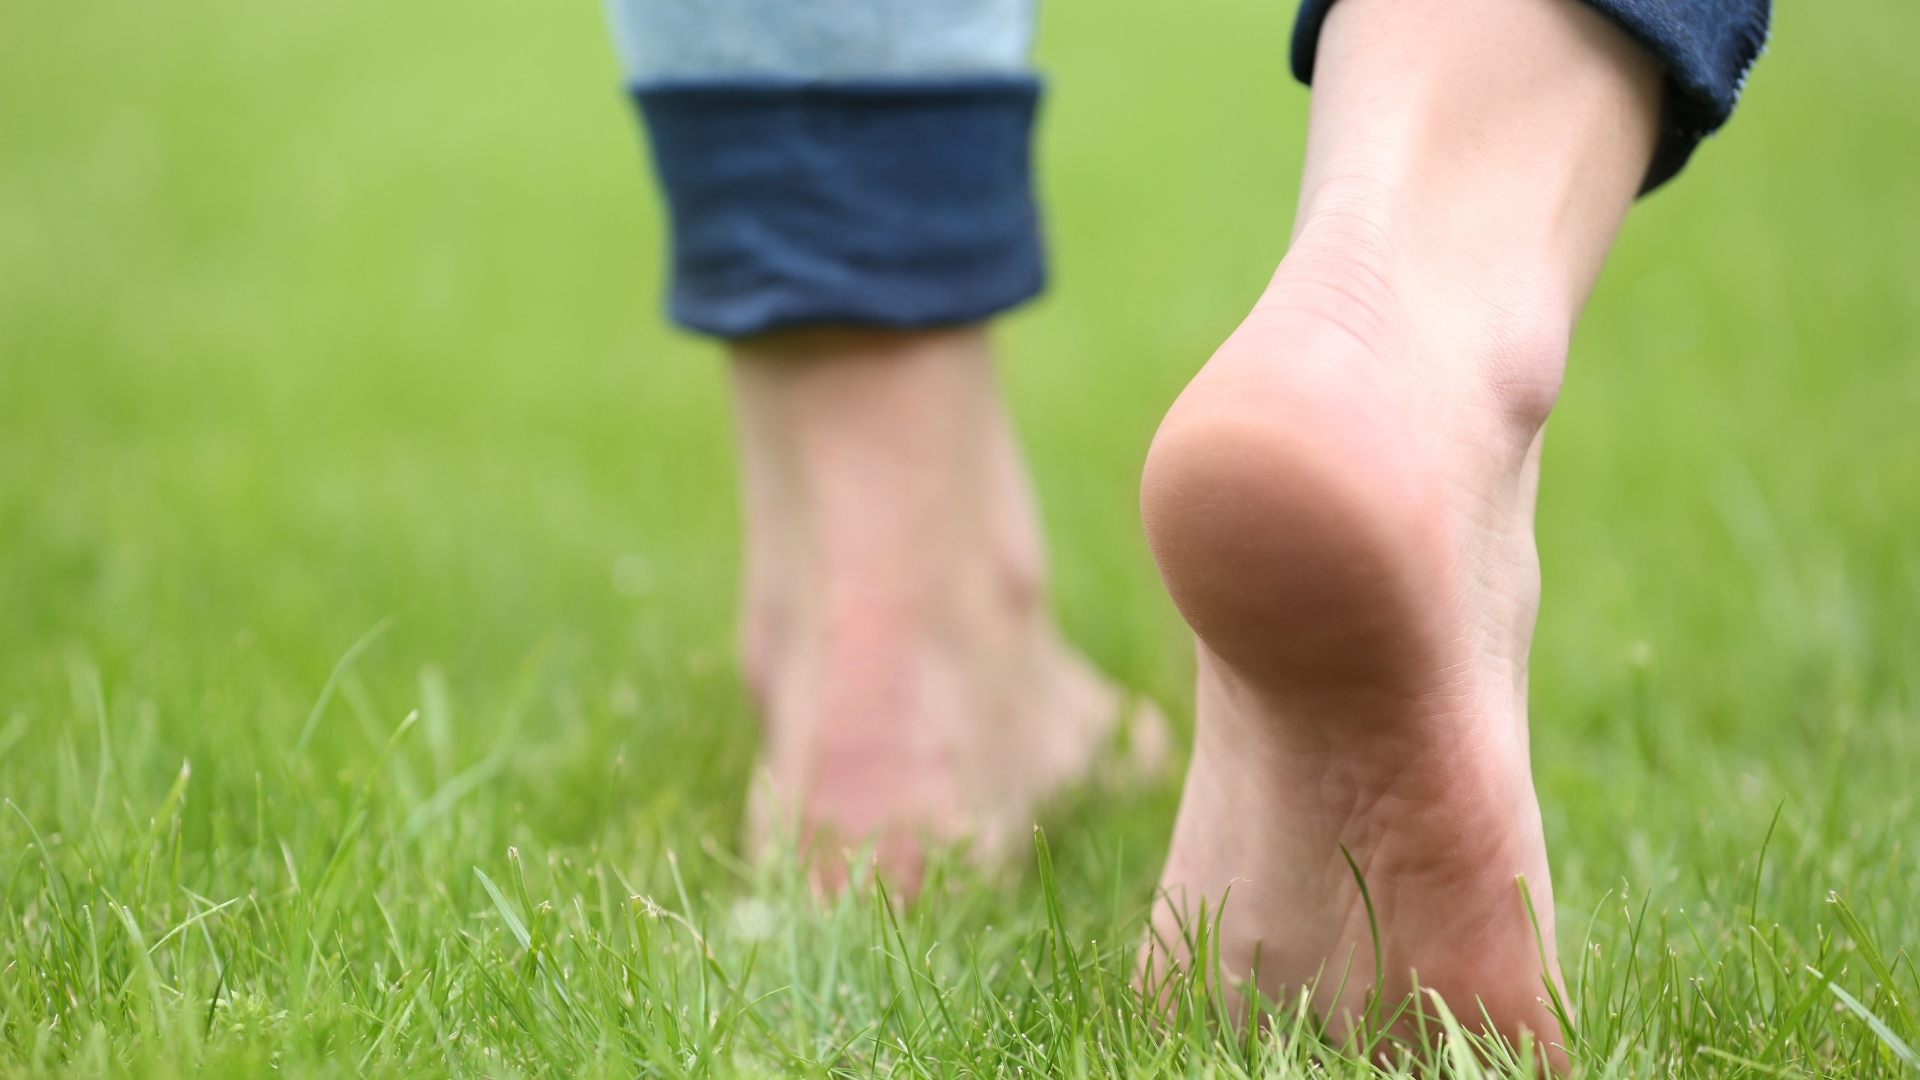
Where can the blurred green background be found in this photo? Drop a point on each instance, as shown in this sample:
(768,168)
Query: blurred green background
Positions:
(312,314)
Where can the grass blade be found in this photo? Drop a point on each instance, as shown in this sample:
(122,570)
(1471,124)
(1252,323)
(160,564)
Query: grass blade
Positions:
(1878,1026)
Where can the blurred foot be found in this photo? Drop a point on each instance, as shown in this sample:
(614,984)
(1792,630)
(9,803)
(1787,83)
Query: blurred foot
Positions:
(896,631)
(1341,504)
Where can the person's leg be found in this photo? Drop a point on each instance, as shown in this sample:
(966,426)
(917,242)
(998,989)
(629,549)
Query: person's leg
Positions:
(1341,504)
(896,629)
(850,199)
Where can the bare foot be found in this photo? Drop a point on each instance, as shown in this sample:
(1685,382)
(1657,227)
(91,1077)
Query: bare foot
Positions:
(1341,504)
(896,631)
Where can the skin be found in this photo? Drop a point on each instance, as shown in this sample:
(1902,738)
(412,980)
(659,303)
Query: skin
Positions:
(1341,504)
(895,630)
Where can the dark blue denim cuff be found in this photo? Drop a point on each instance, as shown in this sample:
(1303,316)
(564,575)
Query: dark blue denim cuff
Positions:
(1705,47)
(898,203)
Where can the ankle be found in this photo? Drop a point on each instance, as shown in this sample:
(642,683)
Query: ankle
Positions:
(1483,340)
(883,488)
(1367,432)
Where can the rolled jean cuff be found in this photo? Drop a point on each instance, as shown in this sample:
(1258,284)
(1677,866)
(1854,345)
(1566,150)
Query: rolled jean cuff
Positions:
(885,202)
(1705,47)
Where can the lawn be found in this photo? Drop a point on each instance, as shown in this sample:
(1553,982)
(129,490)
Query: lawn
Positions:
(367,547)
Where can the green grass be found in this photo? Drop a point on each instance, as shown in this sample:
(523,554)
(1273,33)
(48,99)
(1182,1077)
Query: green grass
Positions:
(319,318)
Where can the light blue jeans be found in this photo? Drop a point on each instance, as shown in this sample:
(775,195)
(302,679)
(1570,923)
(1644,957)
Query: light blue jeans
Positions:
(661,40)
(856,162)
(867,161)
